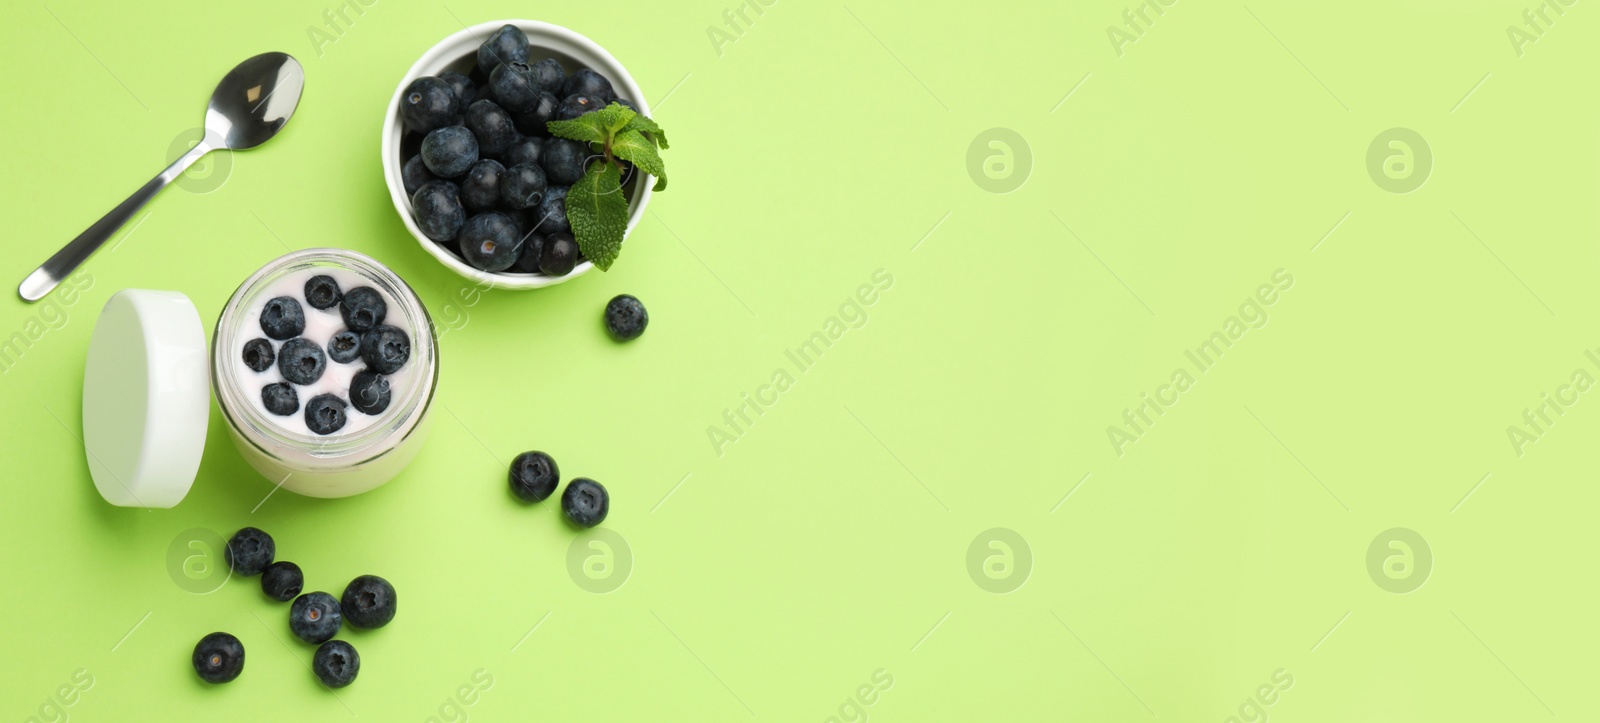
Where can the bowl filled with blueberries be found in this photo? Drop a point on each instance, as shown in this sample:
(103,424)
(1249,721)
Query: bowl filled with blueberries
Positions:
(472,167)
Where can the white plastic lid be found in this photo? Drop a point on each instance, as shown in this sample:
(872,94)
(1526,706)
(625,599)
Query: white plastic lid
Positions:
(146,398)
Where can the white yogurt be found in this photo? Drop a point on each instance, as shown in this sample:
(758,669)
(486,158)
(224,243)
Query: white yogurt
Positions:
(321,325)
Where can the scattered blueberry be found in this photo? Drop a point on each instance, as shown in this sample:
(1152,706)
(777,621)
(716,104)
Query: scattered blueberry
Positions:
(507,45)
(258,354)
(564,160)
(514,87)
(437,206)
(491,241)
(480,189)
(492,126)
(344,347)
(429,103)
(368,602)
(584,81)
(280,398)
(576,105)
(301,361)
(525,150)
(282,581)
(461,87)
(534,476)
(626,317)
(282,318)
(249,551)
(369,392)
(560,254)
(532,121)
(322,291)
(585,502)
(336,663)
(314,617)
(385,349)
(363,308)
(552,211)
(325,414)
(218,658)
(415,173)
(528,258)
(449,151)
(522,186)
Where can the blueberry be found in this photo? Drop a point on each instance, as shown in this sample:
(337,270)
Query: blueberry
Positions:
(428,103)
(534,476)
(344,347)
(314,617)
(301,361)
(507,45)
(461,87)
(363,308)
(437,206)
(282,581)
(584,81)
(491,241)
(336,663)
(564,160)
(258,354)
(369,392)
(385,349)
(449,151)
(480,188)
(218,658)
(576,105)
(325,414)
(560,254)
(552,211)
(322,291)
(282,318)
(525,150)
(522,186)
(626,318)
(492,126)
(280,398)
(528,258)
(514,87)
(410,143)
(585,502)
(624,102)
(533,120)
(368,602)
(249,551)
(414,174)
(549,74)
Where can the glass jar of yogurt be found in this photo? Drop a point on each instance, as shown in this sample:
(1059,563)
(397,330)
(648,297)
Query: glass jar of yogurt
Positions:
(349,447)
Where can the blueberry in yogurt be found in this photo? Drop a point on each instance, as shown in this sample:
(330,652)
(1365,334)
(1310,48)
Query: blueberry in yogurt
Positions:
(258,355)
(369,392)
(325,415)
(322,291)
(282,318)
(363,308)
(344,347)
(301,361)
(280,398)
(385,349)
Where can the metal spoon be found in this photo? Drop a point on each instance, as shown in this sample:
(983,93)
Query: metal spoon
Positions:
(250,105)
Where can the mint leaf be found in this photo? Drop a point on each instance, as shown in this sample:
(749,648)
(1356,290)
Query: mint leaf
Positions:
(598,213)
(645,125)
(633,146)
(586,127)
(613,117)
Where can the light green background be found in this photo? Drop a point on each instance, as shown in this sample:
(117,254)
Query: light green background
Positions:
(831,540)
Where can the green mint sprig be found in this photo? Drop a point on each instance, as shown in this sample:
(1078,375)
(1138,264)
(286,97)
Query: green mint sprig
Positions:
(596,207)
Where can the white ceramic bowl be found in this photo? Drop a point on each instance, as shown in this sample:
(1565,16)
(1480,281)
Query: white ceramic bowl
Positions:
(459,52)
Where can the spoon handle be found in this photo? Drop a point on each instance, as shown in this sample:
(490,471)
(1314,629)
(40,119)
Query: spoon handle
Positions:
(44,279)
